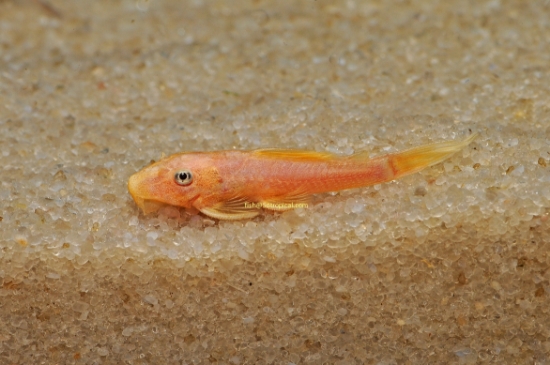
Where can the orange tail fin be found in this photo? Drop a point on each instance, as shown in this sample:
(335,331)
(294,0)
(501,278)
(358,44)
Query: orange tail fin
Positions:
(418,158)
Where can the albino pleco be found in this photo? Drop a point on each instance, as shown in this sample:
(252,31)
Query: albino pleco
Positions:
(238,184)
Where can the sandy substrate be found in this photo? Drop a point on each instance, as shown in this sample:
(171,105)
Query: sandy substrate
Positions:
(446,266)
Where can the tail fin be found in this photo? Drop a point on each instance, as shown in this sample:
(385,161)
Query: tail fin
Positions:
(418,158)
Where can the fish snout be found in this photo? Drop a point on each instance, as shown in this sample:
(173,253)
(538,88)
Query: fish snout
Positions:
(141,187)
(136,190)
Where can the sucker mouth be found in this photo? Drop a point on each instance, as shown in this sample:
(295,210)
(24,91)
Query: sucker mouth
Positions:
(192,200)
(150,206)
(139,185)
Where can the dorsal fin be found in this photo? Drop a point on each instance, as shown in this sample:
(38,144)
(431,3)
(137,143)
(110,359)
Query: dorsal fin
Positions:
(359,156)
(294,155)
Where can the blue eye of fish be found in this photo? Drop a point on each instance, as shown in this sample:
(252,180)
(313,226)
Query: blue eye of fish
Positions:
(183,177)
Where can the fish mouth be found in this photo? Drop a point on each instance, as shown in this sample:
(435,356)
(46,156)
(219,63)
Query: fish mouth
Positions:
(138,191)
(149,206)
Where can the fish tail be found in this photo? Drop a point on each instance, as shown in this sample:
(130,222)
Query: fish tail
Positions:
(418,158)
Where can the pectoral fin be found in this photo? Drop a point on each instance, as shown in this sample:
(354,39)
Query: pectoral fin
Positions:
(234,209)
(221,213)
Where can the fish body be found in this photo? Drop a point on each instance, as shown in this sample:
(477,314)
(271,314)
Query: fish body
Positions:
(237,184)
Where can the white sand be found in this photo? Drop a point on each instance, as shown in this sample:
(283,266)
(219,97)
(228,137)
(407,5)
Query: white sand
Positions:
(446,266)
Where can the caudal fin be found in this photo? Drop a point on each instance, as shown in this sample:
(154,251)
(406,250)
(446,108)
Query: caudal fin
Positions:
(418,158)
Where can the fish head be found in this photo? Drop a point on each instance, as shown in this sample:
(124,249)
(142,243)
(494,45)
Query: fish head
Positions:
(178,180)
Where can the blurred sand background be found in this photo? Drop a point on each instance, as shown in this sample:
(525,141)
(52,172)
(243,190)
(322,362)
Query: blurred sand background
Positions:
(447,266)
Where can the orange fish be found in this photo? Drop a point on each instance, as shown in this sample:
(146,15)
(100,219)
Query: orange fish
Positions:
(238,184)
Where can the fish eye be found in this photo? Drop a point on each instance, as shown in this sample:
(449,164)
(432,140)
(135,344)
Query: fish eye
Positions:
(183,177)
